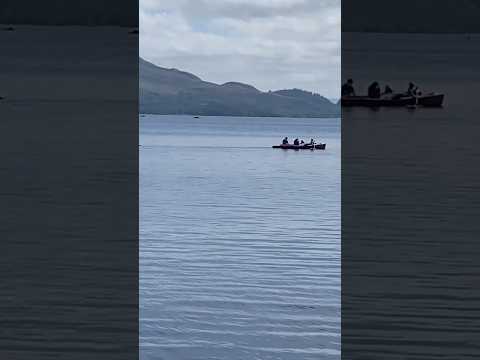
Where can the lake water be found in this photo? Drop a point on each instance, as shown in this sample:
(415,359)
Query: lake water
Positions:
(239,242)
(410,202)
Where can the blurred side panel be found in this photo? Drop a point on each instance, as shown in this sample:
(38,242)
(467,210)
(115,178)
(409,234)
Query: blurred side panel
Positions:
(410,189)
(69,180)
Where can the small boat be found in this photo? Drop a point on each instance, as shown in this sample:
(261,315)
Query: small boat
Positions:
(196,117)
(366,101)
(431,100)
(300,147)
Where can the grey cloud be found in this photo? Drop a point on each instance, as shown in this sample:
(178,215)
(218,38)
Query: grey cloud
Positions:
(253,9)
(271,44)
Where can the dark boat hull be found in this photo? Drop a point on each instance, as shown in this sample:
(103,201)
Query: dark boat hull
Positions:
(432,100)
(365,101)
(428,100)
(301,147)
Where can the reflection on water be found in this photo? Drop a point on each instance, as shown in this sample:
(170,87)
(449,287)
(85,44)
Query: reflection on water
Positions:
(239,243)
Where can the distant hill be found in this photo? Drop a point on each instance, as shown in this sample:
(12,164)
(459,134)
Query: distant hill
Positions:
(171,91)
(411,16)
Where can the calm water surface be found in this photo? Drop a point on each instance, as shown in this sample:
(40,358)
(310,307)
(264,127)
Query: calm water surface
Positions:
(411,201)
(239,242)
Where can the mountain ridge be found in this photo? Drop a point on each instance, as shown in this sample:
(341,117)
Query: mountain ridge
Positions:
(172,91)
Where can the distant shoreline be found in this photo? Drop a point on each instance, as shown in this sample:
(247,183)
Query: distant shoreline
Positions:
(252,116)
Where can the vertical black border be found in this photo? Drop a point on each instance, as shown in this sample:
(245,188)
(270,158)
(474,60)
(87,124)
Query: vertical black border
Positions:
(69,180)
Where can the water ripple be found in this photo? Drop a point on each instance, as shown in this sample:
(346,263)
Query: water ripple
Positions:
(240,244)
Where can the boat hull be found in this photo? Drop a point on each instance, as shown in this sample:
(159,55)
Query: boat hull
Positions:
(301,147)
(432,100)
(428,100)
(365,101)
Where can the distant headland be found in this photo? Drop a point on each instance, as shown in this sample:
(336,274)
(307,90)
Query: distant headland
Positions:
(171,91)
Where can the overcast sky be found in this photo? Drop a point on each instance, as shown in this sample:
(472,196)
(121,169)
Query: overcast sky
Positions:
(270,44)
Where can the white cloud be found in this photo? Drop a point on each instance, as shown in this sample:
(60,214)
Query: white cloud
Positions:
(271,44)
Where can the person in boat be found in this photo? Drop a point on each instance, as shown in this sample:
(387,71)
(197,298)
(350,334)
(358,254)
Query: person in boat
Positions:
(347,88)
(412,89)
(312,142)
(285,141)
(296,142)
(374,90)
(388,93)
